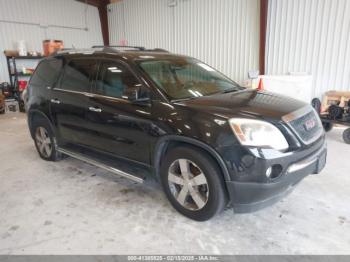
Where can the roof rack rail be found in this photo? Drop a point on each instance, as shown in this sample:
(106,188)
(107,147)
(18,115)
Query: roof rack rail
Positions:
(75,51)
(161,50)
(141,48)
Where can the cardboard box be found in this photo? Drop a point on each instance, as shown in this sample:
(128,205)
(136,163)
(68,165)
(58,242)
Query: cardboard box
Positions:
(333,97)
(51,46)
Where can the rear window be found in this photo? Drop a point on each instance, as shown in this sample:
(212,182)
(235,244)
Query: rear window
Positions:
(47,72)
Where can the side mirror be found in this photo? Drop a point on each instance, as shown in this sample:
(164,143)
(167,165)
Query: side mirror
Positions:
(137,94)
(253,74)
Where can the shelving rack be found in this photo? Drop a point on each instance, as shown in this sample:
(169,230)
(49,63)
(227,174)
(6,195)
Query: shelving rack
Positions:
(14,74)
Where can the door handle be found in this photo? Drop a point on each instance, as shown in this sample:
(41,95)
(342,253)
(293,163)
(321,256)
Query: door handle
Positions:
(94,109)
(55,101)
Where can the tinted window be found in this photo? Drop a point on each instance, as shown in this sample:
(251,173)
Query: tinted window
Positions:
(46,73)
(113,79)
(77,75)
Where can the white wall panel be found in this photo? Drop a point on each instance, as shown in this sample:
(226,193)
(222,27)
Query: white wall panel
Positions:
(223,33)
(146,23)
(48,14)
(116,24)
(311,36)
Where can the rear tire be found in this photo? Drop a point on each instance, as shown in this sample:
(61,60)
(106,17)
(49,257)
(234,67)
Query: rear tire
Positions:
(45,141)
(192,182)
(346,136)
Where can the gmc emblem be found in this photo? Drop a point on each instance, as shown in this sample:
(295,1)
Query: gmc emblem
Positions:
(310,124)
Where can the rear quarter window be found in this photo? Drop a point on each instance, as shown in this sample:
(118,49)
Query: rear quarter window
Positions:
(47,72)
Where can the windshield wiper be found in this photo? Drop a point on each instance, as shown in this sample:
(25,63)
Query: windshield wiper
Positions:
(184,99)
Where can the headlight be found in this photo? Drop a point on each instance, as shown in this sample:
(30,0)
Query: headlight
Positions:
(258,133)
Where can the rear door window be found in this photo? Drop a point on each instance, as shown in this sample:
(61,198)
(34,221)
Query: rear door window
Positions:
(78,75)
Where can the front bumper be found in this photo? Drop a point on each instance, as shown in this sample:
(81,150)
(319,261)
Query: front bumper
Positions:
(252,196)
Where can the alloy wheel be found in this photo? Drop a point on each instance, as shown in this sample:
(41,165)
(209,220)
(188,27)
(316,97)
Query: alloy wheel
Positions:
(43,141)
(188,184)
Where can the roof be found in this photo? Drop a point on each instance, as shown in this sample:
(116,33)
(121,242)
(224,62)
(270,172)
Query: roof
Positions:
(127,52)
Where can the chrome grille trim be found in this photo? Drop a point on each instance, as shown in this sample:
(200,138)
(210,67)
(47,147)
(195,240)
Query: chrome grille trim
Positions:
(300,165)
(297,115)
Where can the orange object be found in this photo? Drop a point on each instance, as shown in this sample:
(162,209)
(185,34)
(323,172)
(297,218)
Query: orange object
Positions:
(51,46)
(261,85)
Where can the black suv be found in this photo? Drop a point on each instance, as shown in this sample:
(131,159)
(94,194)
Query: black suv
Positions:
(146,114)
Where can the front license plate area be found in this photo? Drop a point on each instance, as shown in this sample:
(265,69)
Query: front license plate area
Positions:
(321,163)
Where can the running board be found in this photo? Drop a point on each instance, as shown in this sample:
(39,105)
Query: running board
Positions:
(99,164)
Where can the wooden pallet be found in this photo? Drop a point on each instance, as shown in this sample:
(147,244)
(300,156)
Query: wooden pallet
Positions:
(340,98)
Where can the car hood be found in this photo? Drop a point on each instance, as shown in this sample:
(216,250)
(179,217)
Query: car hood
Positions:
(248,102)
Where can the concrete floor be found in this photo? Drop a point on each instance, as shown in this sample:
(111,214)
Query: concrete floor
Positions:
(70,207)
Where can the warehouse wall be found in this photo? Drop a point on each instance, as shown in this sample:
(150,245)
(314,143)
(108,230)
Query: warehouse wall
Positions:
(223,33)
(56,19)
(310,36)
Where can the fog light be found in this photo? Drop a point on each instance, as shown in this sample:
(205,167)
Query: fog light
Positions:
(275,171)
(268,172)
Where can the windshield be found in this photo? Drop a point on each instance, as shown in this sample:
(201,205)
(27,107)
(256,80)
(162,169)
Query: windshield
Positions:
(184,78)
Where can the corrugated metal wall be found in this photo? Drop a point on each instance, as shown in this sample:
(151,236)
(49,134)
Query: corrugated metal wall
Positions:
(222,33)
(310,36)
(47,13)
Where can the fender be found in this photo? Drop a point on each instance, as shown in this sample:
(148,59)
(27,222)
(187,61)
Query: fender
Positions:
(161,145)
(30,116)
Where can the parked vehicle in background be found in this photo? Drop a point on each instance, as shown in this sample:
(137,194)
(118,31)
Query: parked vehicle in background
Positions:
(150,114)
(336,111)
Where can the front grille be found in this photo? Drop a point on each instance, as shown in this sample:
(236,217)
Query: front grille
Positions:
(307,127)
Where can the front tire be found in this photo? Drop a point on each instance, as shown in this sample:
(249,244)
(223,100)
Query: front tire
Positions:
(45,141)
(193,183)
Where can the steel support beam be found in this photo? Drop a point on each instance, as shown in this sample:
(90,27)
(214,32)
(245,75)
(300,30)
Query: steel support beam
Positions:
(102,10)
(264,5)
